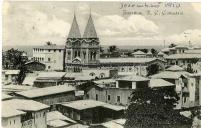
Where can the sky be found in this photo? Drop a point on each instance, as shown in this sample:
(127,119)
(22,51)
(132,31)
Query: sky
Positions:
(36,22)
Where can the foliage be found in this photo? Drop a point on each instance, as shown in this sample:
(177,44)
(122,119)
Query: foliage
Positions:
(172,45)
(143,50)
(152,69)
(154,51)
(13,60)
(189,68)
(112,48)
(154,108)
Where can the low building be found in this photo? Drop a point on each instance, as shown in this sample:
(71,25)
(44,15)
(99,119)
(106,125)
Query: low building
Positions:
(35,66)
(100,73)
(55,119)
(149,55)
(51,55)
(117,94)
(181,49)
(91,111)
(137,66)
(6,97)
(50,95)
(10,76)
(139,54)
(11,89)
(47,79)
(16,114)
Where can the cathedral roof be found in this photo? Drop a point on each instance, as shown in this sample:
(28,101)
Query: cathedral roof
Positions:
(90,31)
(74,31)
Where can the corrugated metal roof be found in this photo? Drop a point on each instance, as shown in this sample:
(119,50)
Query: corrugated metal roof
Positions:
(133,78)
(128,60)
(139,53)
(46,91)
(57,123)
(5,96)
(56,115)
(21,104)
(154,83)
(175,68)
(9,111)
(85,104)
(183,56)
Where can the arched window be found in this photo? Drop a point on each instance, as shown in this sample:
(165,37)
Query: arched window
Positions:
(92,74)
(102,75)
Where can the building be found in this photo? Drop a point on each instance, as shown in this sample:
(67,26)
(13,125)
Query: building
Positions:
(16,114)
(91,111)
(187,86)
(149,54)
(11,89)
(10,76)
(82,51)
(116,94)
(50,95)
(47,79)
(181,49)
(35,66)
(139,54)
(51,55)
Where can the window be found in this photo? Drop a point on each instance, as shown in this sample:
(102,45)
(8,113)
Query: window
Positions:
(44,114)
(108,97)
(59,50)
(118,98)
(49,59)
(96,96)
(49,50)
(54,50)
(49,67)
(14,121)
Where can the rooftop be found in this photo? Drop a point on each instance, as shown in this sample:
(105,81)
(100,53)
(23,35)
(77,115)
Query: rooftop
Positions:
(133,78)
(46,91)
(9,111)
(57,123)
(183,56)
(21,104)
(170,74)
(86,104)
(118,123)
(128,60)
(51,75)
(16,88)
(5,96)
(138,53)
(11,72)
(175,68)
(56,115)
(154,83)
(51,47)
(193,51)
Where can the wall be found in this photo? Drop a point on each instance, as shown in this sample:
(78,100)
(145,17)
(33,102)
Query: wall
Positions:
(40,119)
(56,98)
(12,122)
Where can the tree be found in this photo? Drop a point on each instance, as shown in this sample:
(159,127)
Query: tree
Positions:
(172,45)
(154,108)
(13,60)
(112,48)
(154,51)
(152,69)
(189,68)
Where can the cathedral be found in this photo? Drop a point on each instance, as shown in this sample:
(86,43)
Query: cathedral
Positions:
(82,50)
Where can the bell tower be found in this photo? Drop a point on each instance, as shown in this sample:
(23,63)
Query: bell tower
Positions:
(91,42)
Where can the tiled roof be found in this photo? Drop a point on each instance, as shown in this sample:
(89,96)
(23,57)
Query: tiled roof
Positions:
(46,91)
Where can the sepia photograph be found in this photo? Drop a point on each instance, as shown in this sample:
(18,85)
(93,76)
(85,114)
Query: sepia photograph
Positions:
(101,64)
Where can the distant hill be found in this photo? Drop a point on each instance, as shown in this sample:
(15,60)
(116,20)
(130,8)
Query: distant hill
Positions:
(29,49)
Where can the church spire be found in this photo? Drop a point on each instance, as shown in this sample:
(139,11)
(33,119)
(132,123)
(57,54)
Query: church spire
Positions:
(74,31)
(90,31)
